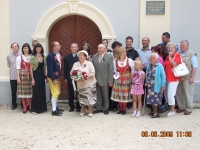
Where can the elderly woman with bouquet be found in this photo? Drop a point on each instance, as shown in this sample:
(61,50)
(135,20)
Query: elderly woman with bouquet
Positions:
(84,73)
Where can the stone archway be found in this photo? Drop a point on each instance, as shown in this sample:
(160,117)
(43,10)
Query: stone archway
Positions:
(72,7)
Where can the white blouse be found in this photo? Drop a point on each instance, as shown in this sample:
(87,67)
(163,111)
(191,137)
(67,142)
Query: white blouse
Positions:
(122,64)
(18,60)
(58,57)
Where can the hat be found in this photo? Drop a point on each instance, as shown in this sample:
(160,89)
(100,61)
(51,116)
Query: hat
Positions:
(83,51)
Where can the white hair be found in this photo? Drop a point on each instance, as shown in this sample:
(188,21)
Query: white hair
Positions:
(154,55)
(185,41)
(171,44)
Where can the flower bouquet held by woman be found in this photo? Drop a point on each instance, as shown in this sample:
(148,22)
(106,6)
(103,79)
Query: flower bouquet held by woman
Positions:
(78,75)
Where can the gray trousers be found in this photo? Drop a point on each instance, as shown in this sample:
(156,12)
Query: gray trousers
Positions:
(102,97)
(184,95)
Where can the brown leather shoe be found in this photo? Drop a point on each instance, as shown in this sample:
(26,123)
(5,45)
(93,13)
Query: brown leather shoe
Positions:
(187,113)
(179,111)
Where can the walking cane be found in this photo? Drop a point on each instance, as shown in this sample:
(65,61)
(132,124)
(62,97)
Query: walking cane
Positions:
(144,102)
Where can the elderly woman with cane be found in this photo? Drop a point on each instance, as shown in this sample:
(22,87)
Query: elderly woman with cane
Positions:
(155,82)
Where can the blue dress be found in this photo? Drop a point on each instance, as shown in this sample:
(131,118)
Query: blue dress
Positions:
(153,98)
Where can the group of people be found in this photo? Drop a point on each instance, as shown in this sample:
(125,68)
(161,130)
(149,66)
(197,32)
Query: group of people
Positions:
(118,77)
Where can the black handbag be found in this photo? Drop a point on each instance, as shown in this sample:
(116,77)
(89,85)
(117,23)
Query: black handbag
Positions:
(163,108)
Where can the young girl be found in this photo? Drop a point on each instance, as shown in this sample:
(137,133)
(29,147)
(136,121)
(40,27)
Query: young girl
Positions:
(24,87)
(137,76)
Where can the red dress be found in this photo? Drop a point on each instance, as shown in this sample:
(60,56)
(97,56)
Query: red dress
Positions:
(121,87)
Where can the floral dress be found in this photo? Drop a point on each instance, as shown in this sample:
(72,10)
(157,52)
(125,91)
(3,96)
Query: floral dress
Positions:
(153,98)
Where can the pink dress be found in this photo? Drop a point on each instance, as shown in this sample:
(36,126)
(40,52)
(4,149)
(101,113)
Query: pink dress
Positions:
(137,86)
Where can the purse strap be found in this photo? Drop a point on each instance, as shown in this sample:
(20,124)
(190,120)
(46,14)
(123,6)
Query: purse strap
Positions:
(181,58)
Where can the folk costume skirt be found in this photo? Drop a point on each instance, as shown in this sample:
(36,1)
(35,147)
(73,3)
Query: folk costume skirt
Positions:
(24,89)
(121,89)
(87,96)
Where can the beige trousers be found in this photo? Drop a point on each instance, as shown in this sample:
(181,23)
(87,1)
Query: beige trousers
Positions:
(184,95)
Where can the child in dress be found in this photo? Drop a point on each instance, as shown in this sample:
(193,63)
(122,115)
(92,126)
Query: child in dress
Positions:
(137,76)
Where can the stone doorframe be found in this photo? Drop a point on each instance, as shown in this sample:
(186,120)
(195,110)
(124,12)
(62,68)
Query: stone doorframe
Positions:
(72,7)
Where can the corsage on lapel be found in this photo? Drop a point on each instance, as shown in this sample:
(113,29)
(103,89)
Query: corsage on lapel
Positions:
(103,59)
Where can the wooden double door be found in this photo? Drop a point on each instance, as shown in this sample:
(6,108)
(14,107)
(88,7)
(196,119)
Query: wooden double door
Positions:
(74,29)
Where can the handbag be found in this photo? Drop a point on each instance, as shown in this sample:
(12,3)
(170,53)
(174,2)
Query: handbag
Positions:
(163,108)
(180,70)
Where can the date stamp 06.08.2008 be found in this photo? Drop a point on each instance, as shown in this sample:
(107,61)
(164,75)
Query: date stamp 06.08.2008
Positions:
(166,134)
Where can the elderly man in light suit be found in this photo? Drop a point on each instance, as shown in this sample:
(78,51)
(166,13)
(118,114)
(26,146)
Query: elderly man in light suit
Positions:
(103,64)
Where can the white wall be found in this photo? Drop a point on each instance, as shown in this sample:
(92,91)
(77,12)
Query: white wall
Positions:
(25,14)
(124,17)
(4,38)
(185,24)
(24,17)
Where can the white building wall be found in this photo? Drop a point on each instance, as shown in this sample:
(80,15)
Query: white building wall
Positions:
(185,24)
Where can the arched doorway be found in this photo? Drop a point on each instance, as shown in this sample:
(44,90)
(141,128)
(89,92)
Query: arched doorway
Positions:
(71,29)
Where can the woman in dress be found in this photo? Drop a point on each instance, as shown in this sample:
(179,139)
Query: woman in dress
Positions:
(86,88)
(155,82)
(172,60)
(24,87)
(121,88)
(38,75)
(86,46)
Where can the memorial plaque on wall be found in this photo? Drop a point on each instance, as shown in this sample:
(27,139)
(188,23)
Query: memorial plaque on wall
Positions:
(155,7)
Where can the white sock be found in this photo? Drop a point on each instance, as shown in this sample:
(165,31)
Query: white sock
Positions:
(56,102)
(53,101)
(138,114)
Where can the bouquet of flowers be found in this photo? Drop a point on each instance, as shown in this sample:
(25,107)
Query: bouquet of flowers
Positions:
(77,75)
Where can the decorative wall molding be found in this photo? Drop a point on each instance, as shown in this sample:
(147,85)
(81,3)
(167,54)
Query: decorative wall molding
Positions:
(72,7)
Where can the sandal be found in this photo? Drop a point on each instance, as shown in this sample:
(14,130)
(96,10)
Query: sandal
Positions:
(155,116)
(34,113)
(151,114)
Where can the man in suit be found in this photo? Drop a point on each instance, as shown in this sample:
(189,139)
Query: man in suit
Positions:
(69,61)
(54,60)
(104,69)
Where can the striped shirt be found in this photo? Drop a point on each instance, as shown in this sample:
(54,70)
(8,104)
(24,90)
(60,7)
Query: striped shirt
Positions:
(11,63)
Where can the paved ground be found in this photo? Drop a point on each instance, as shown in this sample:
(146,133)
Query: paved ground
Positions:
(113,132)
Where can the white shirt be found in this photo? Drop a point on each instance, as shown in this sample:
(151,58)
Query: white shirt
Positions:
(58,57)
(122,64)
(18,60)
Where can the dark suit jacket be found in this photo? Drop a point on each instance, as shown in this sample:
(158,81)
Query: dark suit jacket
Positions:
(53,66)
(104,70)
(68,64)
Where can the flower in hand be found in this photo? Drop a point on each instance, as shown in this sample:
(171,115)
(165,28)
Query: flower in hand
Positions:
(84,75)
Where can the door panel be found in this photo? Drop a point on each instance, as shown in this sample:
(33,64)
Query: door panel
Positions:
(74,29)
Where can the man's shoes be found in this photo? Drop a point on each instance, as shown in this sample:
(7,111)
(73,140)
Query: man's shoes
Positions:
(56,113)
(187,113)
(119,112)
(71,110)
(179,111)
(58,109)
(78,110)
(97,111)
(123,112)
(14,107)
(106,112)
